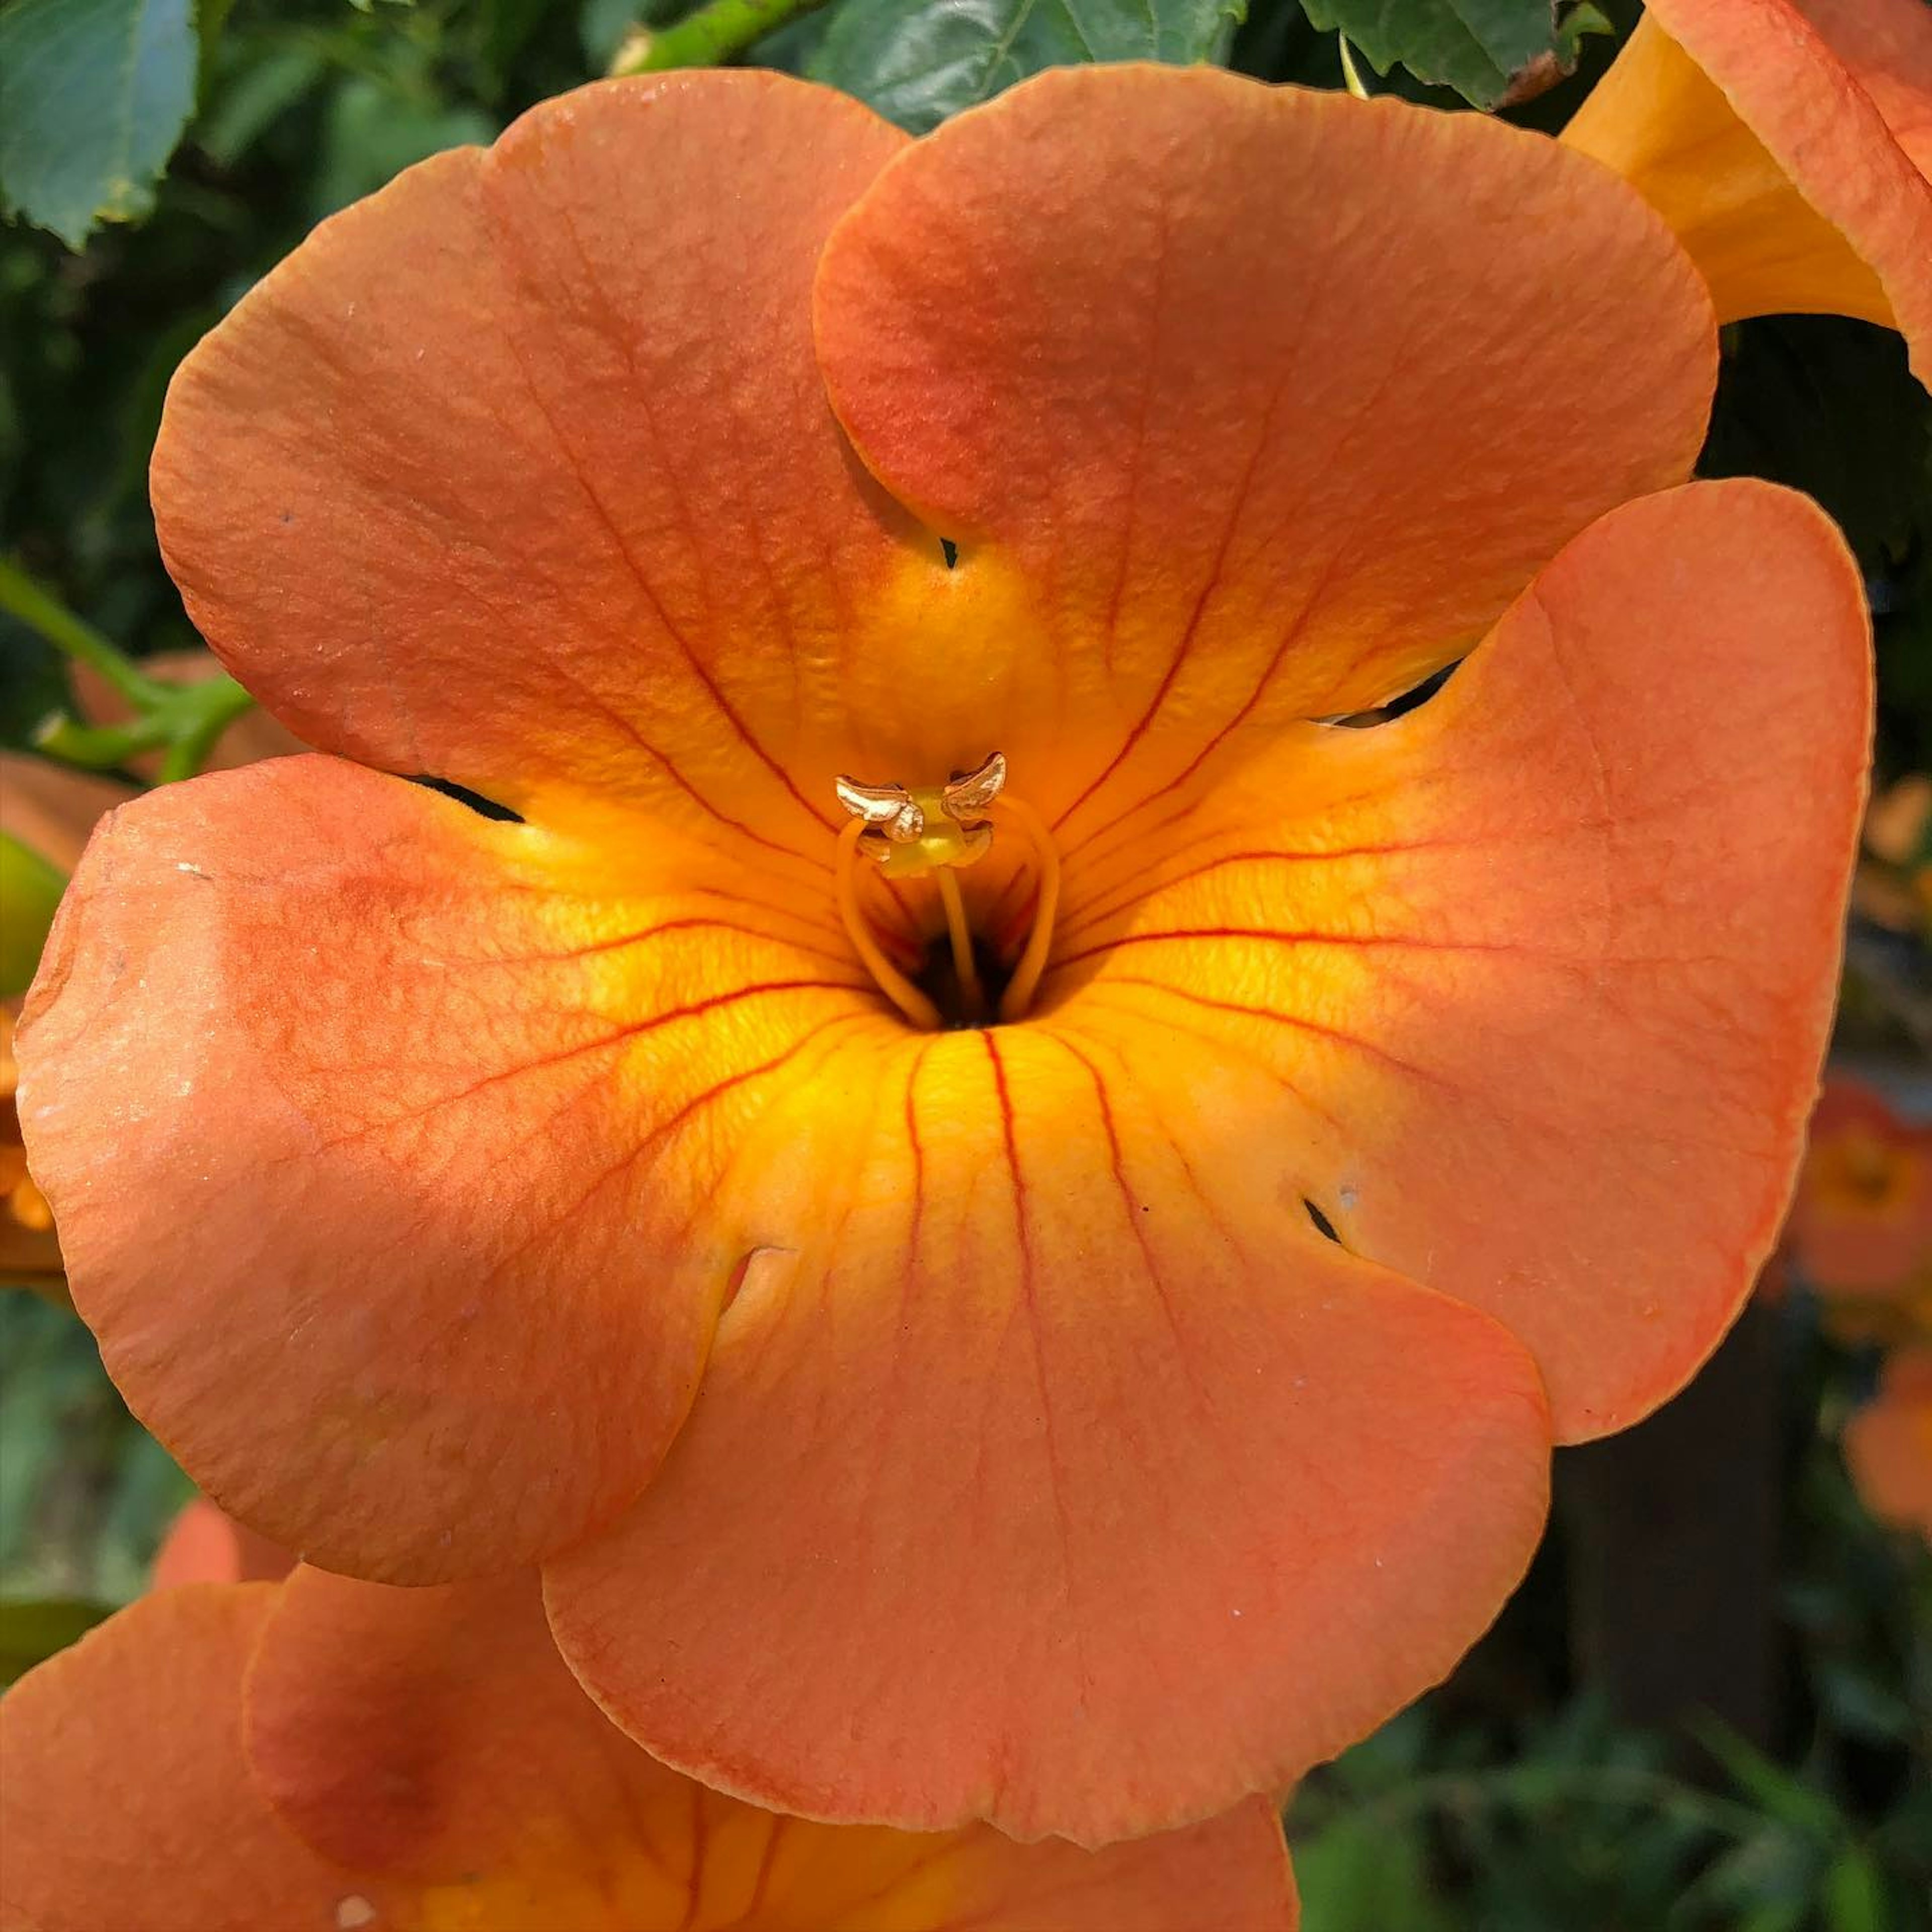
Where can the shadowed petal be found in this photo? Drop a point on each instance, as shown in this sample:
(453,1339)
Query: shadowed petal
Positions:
(1788,143)
(519,473)
(1550,960)
(126,1801)
(367,1728)
(1217,453)
(1060,1472)
(432,1104)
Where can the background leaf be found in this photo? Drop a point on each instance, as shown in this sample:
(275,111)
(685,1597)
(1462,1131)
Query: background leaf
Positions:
(915,62)
(30,1633)
(94,95)
(1478,47)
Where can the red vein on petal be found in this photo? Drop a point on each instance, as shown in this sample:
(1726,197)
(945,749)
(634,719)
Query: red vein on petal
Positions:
(631,1156)
(1030,1301)
(761,1881)
(648,592)
(1273,935)
(1242,1010)
(1226,1049)
(1096,915)
(695,923)
(631,1030)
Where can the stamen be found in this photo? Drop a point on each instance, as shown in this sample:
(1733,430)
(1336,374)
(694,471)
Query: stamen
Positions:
(971,999)
(892,982)
(1015,1001)
(911,831)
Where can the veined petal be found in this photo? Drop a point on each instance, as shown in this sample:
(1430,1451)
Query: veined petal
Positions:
(1788,143)
(1056,1467)
(125,1797)
(527,1809)
(519,473)
(1551,959)
(1218,454)
(431,1106)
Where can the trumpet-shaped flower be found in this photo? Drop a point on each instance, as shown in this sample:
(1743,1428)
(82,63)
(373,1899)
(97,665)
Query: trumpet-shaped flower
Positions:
(1860,1226)
(347,1757)
(1788,143)
(1009,1206)
(47,812)
(1889,1443)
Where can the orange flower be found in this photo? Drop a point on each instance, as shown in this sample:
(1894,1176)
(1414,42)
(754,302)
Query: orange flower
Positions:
(47,811)
(1081,1421)
(206,1545)
(1860,1226)
(1889,1443)
(1789,143)
(1893,886)
(327,1753)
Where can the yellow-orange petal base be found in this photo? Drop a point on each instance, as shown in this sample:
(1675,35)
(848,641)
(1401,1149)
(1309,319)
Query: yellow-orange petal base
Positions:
(1082,1422)
(1789,143)
(326,1756)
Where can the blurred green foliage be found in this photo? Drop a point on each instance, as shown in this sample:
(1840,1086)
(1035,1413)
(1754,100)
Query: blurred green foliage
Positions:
(1474,1812)
(1510,1802)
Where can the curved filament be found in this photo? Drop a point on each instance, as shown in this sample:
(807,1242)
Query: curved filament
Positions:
(1015,1001)
(894,984)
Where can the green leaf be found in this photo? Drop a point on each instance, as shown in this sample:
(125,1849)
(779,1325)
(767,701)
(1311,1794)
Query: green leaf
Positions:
(1782,1795)
(916,63)
(1854,1894)
(1481,48)
(30,1633)
(30,890)
(1366,1875)
(262,90)
(94,95)
(373,133)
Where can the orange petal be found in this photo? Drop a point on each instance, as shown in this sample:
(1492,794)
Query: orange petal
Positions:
(523,1806)
(1551,959)
(1862,1221)
(1788,143)
(1057,1470)
(50,808)
(126,1801)
(1217,454)
(519,473)
(1889,1444)
(206,1545)
(428,1106)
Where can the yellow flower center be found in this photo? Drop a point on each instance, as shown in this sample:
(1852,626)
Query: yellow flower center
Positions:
(918,831)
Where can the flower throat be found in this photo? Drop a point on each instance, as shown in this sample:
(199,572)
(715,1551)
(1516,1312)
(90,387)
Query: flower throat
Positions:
(910,832)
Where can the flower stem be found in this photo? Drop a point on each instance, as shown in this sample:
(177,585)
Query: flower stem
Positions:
(183,721)
(21,597)
(713,33)
(1351,75)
